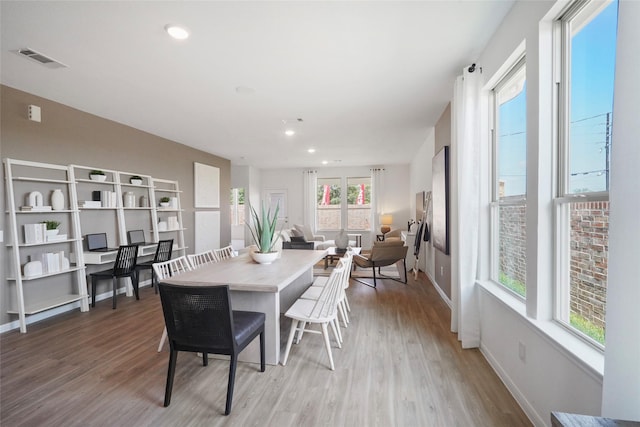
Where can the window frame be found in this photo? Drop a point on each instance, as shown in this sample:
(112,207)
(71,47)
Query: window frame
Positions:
(496,202)
(573,19)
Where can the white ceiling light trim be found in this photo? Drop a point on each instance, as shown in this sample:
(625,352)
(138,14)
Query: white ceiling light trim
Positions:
(176,31)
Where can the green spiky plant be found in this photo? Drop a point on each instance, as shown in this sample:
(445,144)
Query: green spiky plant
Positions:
(263,228)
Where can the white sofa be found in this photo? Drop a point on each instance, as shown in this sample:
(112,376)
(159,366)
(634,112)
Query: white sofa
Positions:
(304,231)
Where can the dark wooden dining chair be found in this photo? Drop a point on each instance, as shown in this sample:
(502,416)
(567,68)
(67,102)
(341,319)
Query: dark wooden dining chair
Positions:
(124,266)
(163,253)
(199,319)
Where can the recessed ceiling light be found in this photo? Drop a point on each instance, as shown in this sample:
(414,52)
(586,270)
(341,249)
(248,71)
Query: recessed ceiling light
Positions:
(289,132)
(311,150)
(176,32)
(324,162)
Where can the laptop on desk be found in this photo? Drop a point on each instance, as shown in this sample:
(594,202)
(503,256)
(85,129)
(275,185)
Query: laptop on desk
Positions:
(136,237)
(97,242)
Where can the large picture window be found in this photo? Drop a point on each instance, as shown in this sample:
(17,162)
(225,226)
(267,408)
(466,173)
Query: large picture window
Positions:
(587,42)
(509,208)
(343,201)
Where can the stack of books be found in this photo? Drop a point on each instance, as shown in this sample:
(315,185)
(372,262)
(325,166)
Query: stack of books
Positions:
(90,203)
(35,233)
(57,238)
(53,262)
(35,208)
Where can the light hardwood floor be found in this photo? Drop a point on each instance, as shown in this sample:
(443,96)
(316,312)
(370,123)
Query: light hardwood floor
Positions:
(399,366)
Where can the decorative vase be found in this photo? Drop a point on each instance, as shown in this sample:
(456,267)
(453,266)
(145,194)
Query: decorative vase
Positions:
(264,258)
(342,239)
(57,200)
(144,202)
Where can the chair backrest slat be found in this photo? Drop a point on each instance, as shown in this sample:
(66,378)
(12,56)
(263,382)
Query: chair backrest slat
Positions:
(202,258)
(171,268)
(224,253)
(125,259)
(163,251)
(327,303)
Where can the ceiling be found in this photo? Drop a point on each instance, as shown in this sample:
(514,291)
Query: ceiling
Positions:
(368,79)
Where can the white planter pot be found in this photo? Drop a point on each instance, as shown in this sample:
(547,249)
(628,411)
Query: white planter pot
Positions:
(264,258)
(100,178)
(136,181)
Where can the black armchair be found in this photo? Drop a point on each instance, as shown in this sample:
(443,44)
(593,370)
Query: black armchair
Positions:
(200,319)
(124,266)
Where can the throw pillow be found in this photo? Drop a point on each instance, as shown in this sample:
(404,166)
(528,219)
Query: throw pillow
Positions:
(306,231)
(286,237)
(296,233)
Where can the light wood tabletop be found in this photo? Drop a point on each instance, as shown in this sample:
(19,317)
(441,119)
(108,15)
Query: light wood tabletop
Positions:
(241,273)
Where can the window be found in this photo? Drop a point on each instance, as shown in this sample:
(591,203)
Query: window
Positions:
(329,207)
(358,203)
(587,45)
(236,204)
(336,207)
(509,180)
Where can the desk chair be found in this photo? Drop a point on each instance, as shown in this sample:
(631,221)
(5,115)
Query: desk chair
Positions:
(200,319)
(163,253)
(124,266)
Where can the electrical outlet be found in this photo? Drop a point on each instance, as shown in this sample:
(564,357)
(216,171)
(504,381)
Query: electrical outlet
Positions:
(1,236)
(522,351)
(442,270)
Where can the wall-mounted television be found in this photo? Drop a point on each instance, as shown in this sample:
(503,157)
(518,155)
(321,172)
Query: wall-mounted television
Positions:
(440,195)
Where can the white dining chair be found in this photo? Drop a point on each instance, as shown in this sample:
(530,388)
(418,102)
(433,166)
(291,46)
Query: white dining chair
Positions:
(314,291)
(225,253)
(202,258)
(168,269)
(323,311)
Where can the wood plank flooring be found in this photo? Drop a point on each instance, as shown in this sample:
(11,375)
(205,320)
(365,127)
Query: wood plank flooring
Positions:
(399,366)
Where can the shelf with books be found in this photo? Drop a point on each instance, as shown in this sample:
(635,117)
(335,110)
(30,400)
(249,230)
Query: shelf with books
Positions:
(43,232)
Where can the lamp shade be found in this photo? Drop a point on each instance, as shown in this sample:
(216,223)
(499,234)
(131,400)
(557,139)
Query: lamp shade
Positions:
(386,220)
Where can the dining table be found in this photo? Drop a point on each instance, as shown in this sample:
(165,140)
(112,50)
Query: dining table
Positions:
(268,288)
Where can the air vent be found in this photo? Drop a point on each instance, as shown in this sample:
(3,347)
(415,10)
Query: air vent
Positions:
(40,58)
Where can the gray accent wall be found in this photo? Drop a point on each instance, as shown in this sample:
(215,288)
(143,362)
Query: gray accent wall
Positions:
(442,273)
(69,136)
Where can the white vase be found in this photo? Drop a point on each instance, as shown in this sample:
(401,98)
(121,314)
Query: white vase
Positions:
(342,239)
(57,200)
(264,258)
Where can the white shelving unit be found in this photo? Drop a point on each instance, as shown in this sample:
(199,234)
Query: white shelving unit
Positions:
(116,218)
(167,188)
(23,177)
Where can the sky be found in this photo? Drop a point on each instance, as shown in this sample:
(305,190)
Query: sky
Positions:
(592,76)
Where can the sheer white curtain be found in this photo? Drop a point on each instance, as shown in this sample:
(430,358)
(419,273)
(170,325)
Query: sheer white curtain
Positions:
(465,150)
(377,183)
(310,184)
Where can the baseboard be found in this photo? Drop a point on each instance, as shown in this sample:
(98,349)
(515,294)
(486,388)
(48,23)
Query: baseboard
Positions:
(528,409)
(437,287)
(33,318)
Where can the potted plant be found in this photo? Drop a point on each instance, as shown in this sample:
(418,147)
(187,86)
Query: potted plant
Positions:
(263,231)
(164,202)
(52,227)
(97,175)
(136,180)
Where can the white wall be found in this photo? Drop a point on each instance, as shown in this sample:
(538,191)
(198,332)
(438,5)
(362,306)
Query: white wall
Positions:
(394,198)
(621,393)
(551,377)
